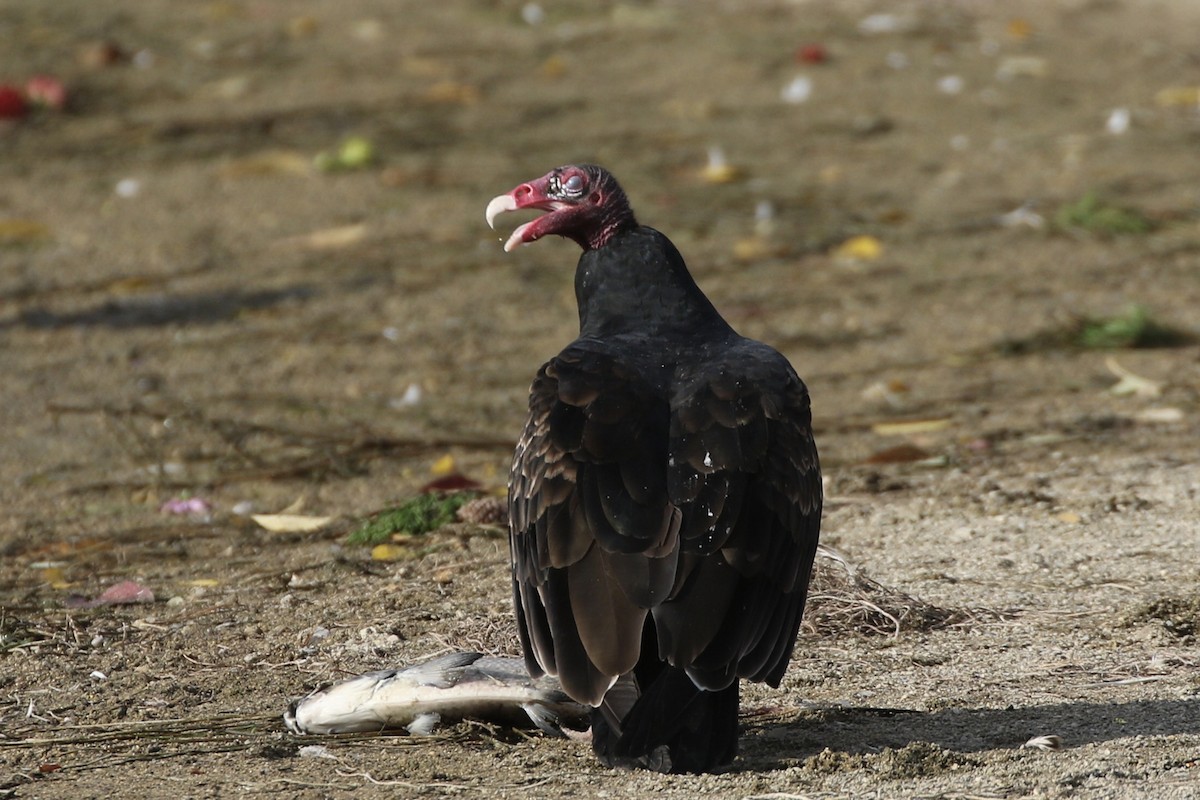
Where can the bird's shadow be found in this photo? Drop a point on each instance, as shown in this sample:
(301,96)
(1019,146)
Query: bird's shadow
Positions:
(772,745)
(157,310)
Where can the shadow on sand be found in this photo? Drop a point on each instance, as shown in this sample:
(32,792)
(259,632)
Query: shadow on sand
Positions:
(202,308)
(769,745)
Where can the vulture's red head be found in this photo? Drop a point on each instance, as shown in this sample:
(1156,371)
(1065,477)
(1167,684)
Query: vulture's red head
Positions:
(583,202)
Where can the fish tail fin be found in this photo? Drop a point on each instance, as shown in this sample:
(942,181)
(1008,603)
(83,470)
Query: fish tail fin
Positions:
(674,726)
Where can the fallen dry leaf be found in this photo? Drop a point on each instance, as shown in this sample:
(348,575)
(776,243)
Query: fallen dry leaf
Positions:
(1178,96)
(326,238)
(23,231)
(1129,383)
(453,93)
(1159,415)
(290,523)
(900,454)
(454,482)
(911,427)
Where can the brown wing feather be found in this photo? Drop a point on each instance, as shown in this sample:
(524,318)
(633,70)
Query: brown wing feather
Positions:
(744,472)
(594,536)
(701,506)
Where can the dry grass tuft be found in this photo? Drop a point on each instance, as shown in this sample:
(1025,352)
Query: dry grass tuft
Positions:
(841,599)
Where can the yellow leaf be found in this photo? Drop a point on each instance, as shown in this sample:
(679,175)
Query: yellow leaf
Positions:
(290,523)
(553,67)
(909,427)
(1019,28)
(204,583)
(859,248)
(1178,96)
(453,93)
(721,173)
(751,248)
(54,575)
(22,231)
(443,466)
(271,162)
(302,27)
(390,552)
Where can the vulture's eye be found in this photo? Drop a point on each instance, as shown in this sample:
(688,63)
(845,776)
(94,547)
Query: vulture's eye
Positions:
(573,184)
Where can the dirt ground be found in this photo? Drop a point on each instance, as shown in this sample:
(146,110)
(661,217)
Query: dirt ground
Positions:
(190,309)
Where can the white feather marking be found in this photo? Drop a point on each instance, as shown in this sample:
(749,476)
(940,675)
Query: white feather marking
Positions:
(424,724)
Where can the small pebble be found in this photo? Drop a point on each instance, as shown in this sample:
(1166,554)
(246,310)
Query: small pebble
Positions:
(1023,216)
(411,397)
(718,169)
(880,23)
(128,188)
(533,14)
(369,30)
(316,751)
(1118,121)
(798,91)
(764,218)
(950,84)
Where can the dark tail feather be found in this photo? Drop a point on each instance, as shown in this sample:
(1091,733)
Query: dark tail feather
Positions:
(673,727)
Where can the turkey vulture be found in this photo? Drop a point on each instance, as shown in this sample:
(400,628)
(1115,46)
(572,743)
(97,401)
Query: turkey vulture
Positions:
(665,496)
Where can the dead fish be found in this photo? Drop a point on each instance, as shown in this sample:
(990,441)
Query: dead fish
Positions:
(447,688)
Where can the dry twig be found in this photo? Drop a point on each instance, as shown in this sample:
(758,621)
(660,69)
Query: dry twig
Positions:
(841,598)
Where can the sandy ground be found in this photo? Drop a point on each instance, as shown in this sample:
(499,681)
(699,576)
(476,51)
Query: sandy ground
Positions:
(189,309)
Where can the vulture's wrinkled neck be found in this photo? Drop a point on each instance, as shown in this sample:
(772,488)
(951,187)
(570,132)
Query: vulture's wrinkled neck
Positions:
(615,216)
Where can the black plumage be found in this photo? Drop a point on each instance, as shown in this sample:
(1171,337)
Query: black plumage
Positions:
(665,496)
